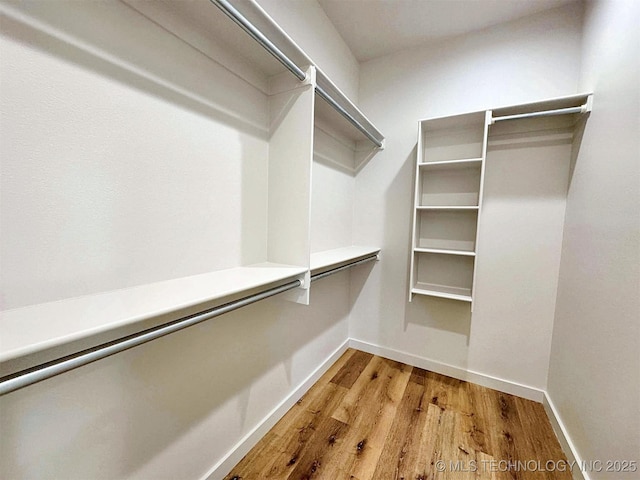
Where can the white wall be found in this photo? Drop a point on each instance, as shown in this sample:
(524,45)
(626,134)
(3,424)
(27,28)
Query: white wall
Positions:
(594,374)
(530,59)
(520,242)
(331,207)
(145,162)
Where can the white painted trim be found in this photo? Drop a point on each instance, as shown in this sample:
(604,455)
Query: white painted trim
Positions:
(478,378)
(563,437)
(231,459)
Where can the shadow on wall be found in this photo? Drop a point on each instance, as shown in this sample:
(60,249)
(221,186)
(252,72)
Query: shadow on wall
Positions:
(359,275)
(439,314)
(93,39)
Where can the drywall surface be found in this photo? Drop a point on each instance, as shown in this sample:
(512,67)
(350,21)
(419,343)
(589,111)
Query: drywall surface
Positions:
(519,249)
(594,373)
(331,207)
(530,59)
(129,157)
(307,24)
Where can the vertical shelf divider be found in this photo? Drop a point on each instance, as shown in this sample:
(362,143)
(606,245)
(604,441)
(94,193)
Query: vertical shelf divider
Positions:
(416,212)
(487,122)
(291,106)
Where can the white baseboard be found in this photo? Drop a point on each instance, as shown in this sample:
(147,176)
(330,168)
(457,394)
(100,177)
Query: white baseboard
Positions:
(563,437)
(231,459)
(488,381)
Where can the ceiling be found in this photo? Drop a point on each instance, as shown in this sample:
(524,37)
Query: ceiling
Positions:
(373,28)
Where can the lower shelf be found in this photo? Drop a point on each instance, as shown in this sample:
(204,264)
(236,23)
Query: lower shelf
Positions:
(442,291)
(441,275)
(92,319)
(445,251)
(330,259)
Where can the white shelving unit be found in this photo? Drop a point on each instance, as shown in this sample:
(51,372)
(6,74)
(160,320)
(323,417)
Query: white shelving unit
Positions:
(448,199)
(449,185)
(298,113)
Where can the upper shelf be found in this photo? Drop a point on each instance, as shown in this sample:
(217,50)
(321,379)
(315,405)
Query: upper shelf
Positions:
(40,327)
(207,29)
(330,259)
(358,126)
(452,164)
(545,105)
(232,35)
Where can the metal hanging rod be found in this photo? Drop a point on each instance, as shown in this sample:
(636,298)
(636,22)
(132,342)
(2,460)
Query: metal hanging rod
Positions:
(259,37)
(318,276)
(547,113)
(270,47)
(41,372)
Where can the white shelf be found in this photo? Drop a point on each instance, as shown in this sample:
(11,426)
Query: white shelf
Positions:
(462,163)
(337,120)
(442,291)
(329,259)
(447,207)
(32,329)
(445,251)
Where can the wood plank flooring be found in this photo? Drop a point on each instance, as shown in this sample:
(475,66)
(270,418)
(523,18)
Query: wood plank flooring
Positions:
(373,418)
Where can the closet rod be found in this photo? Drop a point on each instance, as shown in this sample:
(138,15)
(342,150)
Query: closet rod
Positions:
(268,45)
(547,113)
(41,372)
(259,37)
(318,276)
(325,96)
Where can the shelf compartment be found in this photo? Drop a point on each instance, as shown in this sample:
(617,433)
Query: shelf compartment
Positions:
(441,291)
(444,229)
(330,259)
(447,164)
(443,251)
(453,138)
(81,322)
(447,276)
(453,186)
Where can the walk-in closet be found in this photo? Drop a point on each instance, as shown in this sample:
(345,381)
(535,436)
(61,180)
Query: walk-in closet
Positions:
(328,239)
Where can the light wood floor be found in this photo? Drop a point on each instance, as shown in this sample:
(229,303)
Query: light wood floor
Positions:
(372,418)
